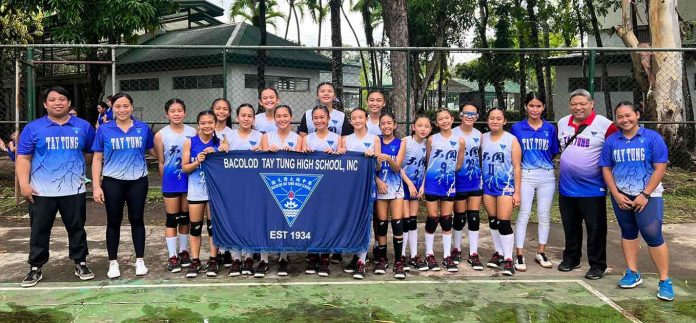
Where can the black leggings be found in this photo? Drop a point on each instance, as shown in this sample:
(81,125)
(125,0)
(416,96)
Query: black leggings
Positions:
(116,193)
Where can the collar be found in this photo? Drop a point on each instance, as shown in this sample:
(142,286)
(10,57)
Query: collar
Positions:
(50,122)
(527,126)
(587,121)
(640,132)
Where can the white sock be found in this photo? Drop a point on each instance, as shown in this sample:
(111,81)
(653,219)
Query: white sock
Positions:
(183,242)
(171,246)
(473,242)
(508,242)
(362,256)
(457,239)
(496,242)
(413,242)
(446,245)
(429,240)
(264,257)
(405,243)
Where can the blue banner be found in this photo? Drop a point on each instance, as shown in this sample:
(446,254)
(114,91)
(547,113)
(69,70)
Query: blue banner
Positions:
(290,202)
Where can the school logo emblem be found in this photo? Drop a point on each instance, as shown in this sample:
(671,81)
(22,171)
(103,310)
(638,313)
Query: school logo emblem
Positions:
(252,143)
(423,149)
(76,130)
(476,140)
(138,130)
(291,144)
(291,191)
(330,142)
(594,133)
(502,146)
(367,144)
(452,143)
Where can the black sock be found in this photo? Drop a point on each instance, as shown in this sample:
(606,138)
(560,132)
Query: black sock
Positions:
(398,248)
(382,251)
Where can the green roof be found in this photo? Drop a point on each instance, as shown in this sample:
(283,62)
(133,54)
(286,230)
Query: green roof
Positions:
(139,60)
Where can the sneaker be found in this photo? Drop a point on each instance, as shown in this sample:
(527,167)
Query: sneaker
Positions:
(140,269)
(665,291)
(595,273)
(194,268)
(173,265)
(312,265)
(567,266)
(405,263)
(236,268)
(520,265)
(542,260)
(248,267)
(449,264)
(475,262)
(418,263)
(508,268)
(184,259)
(227,259)
(496,261)
(336,258)
(359,271)
(82,271)
(399,272)
(432,263)
(456,256)
(114,270)
(352,266)
(324,269)
(212,267)
(381,266)
(261,269)
(33,277)
(630,279)
(283,268)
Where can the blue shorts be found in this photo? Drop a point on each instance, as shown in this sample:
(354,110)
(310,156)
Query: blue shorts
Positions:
(498,192)
(647,222)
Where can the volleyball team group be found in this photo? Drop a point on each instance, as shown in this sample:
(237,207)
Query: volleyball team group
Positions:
(452,168)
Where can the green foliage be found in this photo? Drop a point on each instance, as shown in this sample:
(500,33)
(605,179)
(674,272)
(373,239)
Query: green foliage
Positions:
(428,19)
(19,24)
(248,10)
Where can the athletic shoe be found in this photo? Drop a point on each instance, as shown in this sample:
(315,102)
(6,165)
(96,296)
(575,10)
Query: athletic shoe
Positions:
(312,265)
(496,261)
(508,268)
(542,260)
(283,268)
(173,265)
(665,291)
(248,267)
(114,271)
(336,258)
(212,267)
(33,277)
(194,268)
(475,262)
(405,263)
(449,264)
(261,269)
(184,259)
(381,266)
(456,256)
(567,266)
(324,269)
(432,263)
(399,272)
(418,263)
(520,265)
(630,279)
(352,266)
(236,268)
(359,271)
(82,271)
(227,259)
(140,269)
(595,273)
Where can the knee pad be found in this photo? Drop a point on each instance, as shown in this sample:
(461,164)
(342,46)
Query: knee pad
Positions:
(446,222)
(458,221)
(472,219)
(209,227)
(405,225)
(413,224)
(172,220)
(504,227)
(382,227)
(493,223)
(397,227)
(196,229)
(184,218)
(431,225)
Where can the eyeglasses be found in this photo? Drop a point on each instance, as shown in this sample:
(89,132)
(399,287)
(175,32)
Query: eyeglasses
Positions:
(467,114)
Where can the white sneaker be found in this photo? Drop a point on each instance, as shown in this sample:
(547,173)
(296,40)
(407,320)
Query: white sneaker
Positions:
(543,261)
(140,269)
(114,271)
(520,264)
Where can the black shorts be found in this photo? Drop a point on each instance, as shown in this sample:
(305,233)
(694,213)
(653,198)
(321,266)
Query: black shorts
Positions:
(171,195)
(196,202)
(461,196)
(433,198)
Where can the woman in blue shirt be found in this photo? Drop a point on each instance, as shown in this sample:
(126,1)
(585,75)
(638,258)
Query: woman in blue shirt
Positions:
(633,163)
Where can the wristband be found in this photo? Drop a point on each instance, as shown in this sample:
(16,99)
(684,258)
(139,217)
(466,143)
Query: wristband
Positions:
(646,195)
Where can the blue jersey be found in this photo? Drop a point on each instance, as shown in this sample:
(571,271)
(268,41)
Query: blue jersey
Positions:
(252,140)
(414,160)
(632,159)
(57,163)
(317,144)
(469,176)
(197,189)
(290,141)
(442,164)
(496,162)
(173,179)
(386,173)
(538,146)
(124,152)
(361,145)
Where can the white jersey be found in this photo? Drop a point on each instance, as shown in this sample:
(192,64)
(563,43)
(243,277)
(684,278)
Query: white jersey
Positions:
(262,124)
(224,134)
(252,140)
(373,127)
(414,160)
(317,144)
(353,143)
(291,141)
(335,124)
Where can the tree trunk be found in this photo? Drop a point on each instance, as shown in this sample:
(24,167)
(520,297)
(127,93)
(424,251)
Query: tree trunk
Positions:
(336,55)
(297,24)
(523,63)
(369,38)
(395,15)
(550,113)
(602,57)
(534,28)
(357,40)
(581,29)
(440,81)
(688,109)
(321,20)
(287,23)
(261,53)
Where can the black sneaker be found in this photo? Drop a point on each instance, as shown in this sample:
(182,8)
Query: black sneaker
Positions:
(418,263)
(248,267)
(595,273)
(261,269)
(184,259)
(456,256)
(496,261)
(227,259)
(336,258)
(82,271)
(236,268)
(352,266)
(324,268)
(212,268)
(399,272)
(283,268)
(432,263)
(508,268)
(475,262)
(33,277)
(381,266)
(194,268)
(568,266)
(359,271)
(449,264)
(312,265)
(173,264)
(405,263)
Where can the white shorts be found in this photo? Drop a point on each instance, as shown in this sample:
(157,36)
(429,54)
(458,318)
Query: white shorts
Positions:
(392,194)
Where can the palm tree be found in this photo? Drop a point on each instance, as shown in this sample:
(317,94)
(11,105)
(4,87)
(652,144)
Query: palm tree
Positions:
(371,12)
(336,41)
(295,6)
(248,10)
(318,12)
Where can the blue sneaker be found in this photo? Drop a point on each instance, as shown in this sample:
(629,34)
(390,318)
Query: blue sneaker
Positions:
(665,291)
(630,280)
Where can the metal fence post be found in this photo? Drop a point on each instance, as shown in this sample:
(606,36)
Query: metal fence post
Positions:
(591,74)
(408,89)
(113,70)
(224,73)
(31,90)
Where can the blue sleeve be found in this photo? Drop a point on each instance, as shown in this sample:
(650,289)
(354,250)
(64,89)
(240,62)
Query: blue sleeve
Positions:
(554,147)
(89,138)
(98,144)
(149,143)
(11,155)
(659,150)
(605,159)
(513,130)
(109,115)
(25,146)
